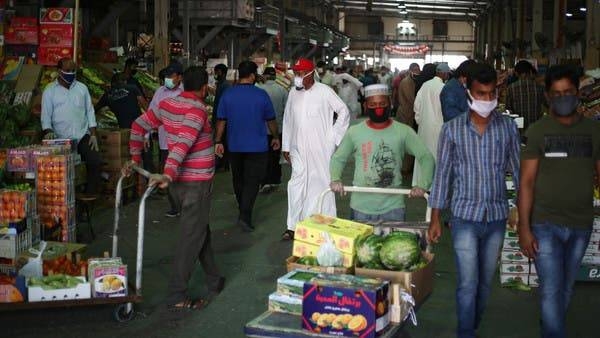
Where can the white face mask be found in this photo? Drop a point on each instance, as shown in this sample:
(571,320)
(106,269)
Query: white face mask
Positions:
(482,108)
(298,81)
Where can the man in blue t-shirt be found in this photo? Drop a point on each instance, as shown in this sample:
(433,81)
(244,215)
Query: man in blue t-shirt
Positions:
(244,109)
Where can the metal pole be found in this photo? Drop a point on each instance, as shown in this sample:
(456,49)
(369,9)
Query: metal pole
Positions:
(186,31)
(76,31)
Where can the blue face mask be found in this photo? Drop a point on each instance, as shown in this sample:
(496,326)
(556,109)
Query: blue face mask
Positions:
(564,105)
(68,77)
(169,83)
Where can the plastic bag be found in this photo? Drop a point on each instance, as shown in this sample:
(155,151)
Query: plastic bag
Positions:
(328,254)
(34,268)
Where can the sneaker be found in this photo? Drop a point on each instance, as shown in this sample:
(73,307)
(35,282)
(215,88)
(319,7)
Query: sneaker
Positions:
(172,214)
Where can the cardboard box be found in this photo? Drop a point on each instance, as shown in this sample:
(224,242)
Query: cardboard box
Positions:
(53,35)
(292,283)
(49,56)
(511,234)
(56,16)
(595,237)
(20,160)
(589,273)
(511,244)
(115,152)
(343,232)
(510,277)
(591,259)
(11,67)
(81,291)
(301,249)
(22,31)
(419,283)
(109,281)
(593,247)
(285,303)
(119,137)
(29,78)
(345,305)
(292,265)
(514,267)
(514,256)
(13,290)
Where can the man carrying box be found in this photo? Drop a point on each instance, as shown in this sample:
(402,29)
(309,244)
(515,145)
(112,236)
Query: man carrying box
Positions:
(379,145)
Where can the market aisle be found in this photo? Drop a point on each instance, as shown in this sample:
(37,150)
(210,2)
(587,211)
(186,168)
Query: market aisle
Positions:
(252,262)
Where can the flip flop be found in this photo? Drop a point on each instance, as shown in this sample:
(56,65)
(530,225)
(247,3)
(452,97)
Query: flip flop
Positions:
(287,235)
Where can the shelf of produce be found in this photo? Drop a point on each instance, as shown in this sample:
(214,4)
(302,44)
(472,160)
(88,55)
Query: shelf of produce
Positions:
(285,325)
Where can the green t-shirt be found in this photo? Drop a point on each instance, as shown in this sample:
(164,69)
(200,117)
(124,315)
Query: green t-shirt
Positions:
(378,155)
(567,155)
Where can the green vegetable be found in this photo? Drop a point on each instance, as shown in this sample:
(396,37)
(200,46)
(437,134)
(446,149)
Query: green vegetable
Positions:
(308,260)
(21,114)
(55,282)
(400,250)
(367,251)
(516,285)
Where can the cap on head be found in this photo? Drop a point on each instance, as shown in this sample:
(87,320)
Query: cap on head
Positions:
(303,65)
(376,89)
(442,68)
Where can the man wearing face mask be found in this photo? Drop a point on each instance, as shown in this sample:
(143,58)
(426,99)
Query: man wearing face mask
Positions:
(556,213)
(246,111)
(379,145)
(129,71)
(428,113)
(189,169)
(68,113)
(475,152)
(454,94)
(171,88)
(309,139)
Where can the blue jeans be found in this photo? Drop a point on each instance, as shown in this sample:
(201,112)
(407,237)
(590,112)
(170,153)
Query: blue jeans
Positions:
(395,215)
(560,250)
(476,249)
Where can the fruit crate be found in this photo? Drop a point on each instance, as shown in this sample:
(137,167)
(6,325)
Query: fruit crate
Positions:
(16,205)
(12,245)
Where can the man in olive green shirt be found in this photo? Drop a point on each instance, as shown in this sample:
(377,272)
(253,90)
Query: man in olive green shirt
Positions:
(558,164)
(379,145)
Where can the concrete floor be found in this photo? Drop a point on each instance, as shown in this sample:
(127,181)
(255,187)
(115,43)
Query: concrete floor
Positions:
(252,263)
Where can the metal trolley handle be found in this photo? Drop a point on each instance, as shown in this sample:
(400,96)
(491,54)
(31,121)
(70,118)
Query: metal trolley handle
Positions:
(141,216)
(372,190)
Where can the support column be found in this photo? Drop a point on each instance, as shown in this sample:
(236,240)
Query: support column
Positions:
(558,24)
(592,35)
(520,33)
(161,34)
(499,33)
(186,32)
(489,40)
(537,22)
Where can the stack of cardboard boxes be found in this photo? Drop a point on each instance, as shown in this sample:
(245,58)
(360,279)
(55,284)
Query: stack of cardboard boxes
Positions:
(56,35)
(114,149)
(590,266)
(514,265)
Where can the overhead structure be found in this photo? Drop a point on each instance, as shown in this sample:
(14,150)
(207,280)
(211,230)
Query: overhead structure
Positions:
(416,9)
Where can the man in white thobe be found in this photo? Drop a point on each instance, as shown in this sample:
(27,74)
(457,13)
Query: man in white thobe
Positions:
(348,87)
(428,113)
(310,137)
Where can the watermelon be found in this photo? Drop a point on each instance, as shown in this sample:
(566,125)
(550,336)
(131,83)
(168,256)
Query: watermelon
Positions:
(308,260)
(400,250)
(367,250)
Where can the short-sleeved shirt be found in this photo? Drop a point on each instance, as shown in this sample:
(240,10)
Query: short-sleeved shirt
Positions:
(567,162)
(246,108)
(123,101)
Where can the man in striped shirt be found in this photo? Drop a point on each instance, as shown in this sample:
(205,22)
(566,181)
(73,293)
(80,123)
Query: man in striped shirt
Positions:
(475,151)
(189,168)
(525,97)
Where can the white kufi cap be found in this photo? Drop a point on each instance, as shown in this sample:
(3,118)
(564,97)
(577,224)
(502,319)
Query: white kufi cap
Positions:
(376,89)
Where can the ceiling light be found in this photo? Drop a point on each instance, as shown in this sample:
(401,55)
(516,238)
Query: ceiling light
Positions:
(401,6)
(569,15)
(403,11)
(583,9)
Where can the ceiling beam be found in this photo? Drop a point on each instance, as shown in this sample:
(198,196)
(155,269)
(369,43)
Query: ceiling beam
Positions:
(395,13)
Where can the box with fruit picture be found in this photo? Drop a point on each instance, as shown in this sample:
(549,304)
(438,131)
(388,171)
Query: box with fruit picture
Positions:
(22,31)
(345,305)
(108,277)
(20,160)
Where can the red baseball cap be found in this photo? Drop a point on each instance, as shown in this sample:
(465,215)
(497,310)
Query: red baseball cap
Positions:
(303,65)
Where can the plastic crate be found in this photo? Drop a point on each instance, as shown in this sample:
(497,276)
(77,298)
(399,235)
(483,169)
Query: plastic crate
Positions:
(12,245)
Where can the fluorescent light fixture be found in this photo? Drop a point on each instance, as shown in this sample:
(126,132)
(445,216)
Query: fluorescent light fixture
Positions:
(569,15)
(583,9)
(403,11)
(401,6)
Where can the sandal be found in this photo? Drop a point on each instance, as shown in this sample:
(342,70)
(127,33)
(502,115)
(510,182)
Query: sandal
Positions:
(287,235)
(188,304)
